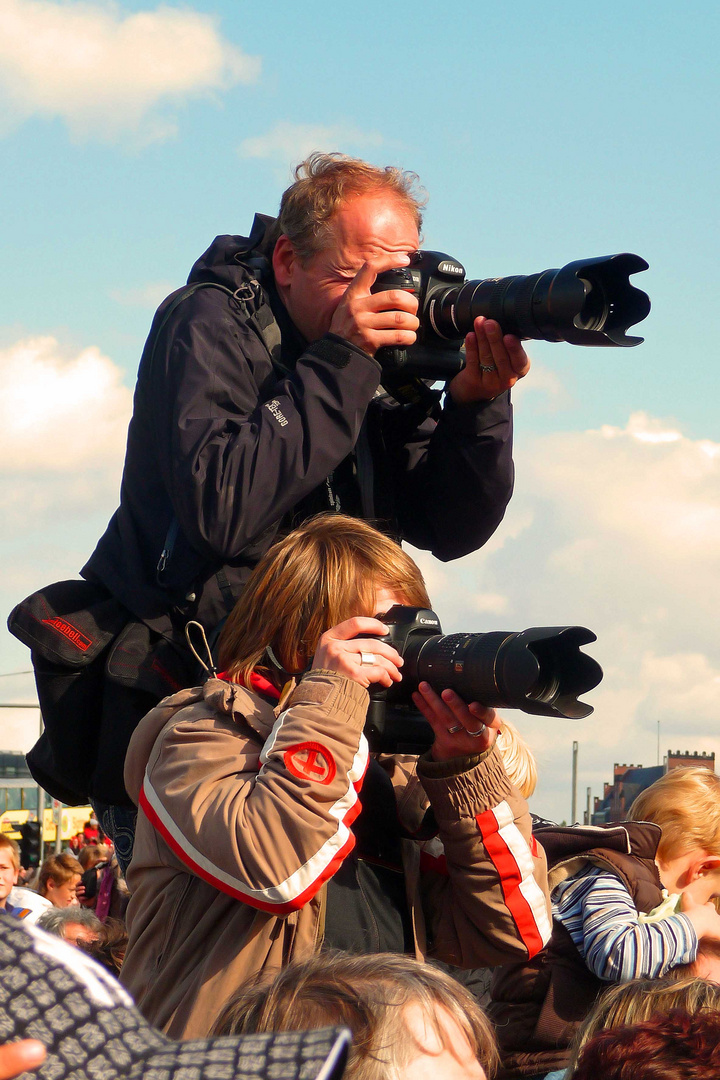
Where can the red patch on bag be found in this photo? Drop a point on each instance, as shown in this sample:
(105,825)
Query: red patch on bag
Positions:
(310,761)
(69,631)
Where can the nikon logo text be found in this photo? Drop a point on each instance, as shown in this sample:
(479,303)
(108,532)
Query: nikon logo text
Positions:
(451,268)
(274,407)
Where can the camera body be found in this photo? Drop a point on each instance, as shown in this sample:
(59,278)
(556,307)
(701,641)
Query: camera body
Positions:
(587,302)
(540,670)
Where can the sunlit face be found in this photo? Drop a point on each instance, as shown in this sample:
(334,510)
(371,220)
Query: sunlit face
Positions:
(63,894)
(75,933)
(366,228)
(434,1060)
(8,875)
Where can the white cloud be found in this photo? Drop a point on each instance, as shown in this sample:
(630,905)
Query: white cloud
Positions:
(107,74)
(60,413)
(143,296)
(287,143)
(619,530)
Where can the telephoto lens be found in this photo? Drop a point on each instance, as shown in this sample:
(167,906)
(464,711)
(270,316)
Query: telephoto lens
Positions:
(541,670)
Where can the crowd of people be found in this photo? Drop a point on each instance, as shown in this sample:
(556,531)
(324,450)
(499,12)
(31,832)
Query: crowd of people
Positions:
(268,867)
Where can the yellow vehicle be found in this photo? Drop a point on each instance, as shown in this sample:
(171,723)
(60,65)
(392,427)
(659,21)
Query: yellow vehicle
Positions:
(72,820)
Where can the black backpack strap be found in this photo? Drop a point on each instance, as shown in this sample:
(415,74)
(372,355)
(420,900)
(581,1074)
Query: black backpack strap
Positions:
(262,321)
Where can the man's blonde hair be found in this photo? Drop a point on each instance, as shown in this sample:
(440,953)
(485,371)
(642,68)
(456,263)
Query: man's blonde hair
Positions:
(369,995)
(324,572)
(323,182)
(9,844)
(518,759)
(685,803)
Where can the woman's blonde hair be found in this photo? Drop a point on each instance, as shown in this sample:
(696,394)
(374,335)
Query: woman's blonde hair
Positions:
(368,994)
(685,803)
(324,572)
(517,757)
(636,1001)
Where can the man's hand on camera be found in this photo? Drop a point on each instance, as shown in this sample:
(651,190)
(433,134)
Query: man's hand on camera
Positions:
(374,320)
(493,363)
(365,660)
(460,730)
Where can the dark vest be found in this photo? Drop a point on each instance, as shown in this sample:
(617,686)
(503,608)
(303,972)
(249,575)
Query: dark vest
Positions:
(538,1006)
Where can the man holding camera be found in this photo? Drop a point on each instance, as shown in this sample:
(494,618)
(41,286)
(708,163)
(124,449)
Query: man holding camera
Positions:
(259,403)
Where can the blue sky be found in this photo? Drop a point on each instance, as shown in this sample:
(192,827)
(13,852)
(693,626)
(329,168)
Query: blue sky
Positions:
(131,134)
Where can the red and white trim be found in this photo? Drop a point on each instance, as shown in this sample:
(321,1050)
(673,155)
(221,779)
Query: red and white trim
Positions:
(512,858)
(303,883)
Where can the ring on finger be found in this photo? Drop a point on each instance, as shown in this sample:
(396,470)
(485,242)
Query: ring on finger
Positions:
(454,729)
(480,731)
(488,367)
(368,659)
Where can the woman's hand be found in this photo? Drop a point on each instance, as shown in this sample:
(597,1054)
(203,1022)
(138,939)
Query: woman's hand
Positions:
(362,659)
(460,729)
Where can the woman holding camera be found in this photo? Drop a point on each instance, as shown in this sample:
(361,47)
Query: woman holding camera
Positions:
(267,830)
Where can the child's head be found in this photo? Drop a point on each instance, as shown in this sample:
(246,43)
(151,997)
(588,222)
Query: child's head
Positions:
(59,878)
(685,803)
(9,867)
(517,758)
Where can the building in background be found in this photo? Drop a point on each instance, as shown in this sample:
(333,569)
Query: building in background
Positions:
(18,790)
(630,780)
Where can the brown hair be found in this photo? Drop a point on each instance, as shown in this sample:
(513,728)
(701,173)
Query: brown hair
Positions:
(321,574)
(59,868)
(323,182)
(674,1047)
(685,803)
(9,844)
(368,994)
(636,1001)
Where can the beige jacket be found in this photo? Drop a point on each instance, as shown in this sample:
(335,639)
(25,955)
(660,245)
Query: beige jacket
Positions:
(245,812)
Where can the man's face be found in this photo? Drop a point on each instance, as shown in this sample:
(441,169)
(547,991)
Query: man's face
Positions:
(75,932)
(8,875)
(375,227)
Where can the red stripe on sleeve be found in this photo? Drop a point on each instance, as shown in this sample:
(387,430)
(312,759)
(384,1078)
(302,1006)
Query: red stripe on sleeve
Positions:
(511,878)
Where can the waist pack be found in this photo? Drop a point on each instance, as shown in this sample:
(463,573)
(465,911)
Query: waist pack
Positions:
(82,639)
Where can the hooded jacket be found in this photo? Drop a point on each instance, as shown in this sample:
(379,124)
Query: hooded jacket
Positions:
(245,814)
(240,427)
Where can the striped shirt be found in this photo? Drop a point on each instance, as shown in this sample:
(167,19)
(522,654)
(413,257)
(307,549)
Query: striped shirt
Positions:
(598,912)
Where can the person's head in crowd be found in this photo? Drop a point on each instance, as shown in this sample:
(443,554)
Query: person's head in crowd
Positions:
(324,221)
(409,1020)
(9,867)
(685,803)
(679,1046)
(59,878)
(92,854)
(109,949)
(73,924)
(331,569)
(640,999)
(517,758)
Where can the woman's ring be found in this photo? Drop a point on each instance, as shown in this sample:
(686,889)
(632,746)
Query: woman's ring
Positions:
(368,658)
(488,368)
(454,729)
(480,731)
